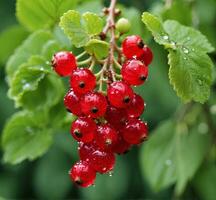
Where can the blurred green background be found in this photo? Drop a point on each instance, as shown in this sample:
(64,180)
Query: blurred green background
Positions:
(47,177)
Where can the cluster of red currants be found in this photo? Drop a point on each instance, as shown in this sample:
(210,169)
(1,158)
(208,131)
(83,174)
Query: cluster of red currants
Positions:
(106,125)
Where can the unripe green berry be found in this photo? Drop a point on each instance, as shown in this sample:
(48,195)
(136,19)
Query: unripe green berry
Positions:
(123,25)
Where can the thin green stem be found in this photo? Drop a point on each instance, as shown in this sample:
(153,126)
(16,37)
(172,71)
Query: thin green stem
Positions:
(81,55)
(85,62)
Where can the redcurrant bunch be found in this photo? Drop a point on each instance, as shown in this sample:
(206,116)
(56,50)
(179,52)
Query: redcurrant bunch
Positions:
(107,108)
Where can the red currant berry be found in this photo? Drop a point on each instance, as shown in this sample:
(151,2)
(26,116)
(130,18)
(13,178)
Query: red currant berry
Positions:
(134,72)
(147,56)
(116,116)
(132,46)
(136,108)
(72,103)
(86,149)
(106,137)
(120,94)
(135,131)
(64,63)
(102,161)
(82,174)
(121,146)
(82,81)
(94,104)
(83,129)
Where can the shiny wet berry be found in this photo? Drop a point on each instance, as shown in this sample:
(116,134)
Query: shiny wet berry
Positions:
(136,108)
(117,117)
(86,149)
(94,104)
(82,81)
(147,56)
(72,103)
(82,174)
(64,63)
(135,131)
(83,129)
(119,94)
(132,46)
(134,72)
(106,136)
(121,146)
(102,161)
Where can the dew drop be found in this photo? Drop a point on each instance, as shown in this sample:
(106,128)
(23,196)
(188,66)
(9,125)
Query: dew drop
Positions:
(165,37)
(111,173)
(104,169)
(185,50)
(168,162)
(26,86)
(145,104)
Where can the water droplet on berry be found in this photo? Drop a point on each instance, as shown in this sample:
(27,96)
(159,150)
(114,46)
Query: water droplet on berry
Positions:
(111,173)
(185,50)
(104,169)
(168,162)
(26,86)
(202,128)
(165,37)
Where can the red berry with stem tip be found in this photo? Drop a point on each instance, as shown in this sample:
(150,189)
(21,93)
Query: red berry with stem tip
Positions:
(83,129)
(120,94)
(82,81)
(132,46)
(135,131)
(86,149)
(106,136)
(64,63)
(94,104)
(136,108)
(102,161)
(72,103)
(116,116)
(121,146)
(134,72)
(82,174)
(147,56)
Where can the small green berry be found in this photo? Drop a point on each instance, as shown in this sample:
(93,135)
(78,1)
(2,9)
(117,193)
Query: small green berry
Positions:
(123,25)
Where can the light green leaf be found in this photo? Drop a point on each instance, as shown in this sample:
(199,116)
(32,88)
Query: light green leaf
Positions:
(31,46)
(25,137)
(190,67)
(33,87)
(49,49)
(93,23)
(173,155)
(71,24)
(80,28)
(154,24)
(98,48)
(13,33)
(190,74)
(38,14)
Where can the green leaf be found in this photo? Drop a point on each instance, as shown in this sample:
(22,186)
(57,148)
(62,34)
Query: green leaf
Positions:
(178,163)
(190,67)
(31,46)
(98,48)
(190,74)
(38,14)
(13,33)
(205,181)
(93,23)
(32,86)
(25,137)
(49,49)
(80,28)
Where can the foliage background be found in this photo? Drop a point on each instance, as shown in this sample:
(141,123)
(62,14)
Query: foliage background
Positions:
(47,178)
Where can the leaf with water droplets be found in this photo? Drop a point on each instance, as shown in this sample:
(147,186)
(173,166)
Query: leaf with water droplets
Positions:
(25,137)
(191,68)
(190,74)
